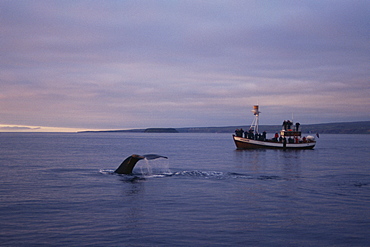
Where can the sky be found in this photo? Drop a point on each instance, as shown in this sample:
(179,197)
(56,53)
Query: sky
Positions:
(99,65)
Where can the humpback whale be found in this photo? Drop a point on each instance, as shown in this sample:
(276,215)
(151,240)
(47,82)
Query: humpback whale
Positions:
(129,163)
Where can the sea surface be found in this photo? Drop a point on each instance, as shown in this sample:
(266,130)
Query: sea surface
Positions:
(59,189)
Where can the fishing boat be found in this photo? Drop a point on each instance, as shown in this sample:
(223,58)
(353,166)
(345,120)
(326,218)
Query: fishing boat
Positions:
(289,138)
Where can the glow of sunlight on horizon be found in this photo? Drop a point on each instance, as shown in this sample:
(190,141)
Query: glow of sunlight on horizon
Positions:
(24,128)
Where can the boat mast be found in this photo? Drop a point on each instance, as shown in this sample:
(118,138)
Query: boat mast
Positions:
(254,125)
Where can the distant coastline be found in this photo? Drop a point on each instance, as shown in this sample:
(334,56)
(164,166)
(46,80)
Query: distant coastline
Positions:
(361,127)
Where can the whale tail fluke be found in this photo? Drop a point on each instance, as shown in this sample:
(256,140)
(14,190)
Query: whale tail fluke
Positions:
(129,163)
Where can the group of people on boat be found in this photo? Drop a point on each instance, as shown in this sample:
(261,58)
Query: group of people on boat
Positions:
(251,135)
(262,137)
(295,139)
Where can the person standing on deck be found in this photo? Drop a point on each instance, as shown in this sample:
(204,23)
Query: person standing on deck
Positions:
(284,125)
(289,124)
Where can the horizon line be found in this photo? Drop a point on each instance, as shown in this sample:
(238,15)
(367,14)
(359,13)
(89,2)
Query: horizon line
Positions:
(10,128)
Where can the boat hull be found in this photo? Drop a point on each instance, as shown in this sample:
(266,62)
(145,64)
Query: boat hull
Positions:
(245,143)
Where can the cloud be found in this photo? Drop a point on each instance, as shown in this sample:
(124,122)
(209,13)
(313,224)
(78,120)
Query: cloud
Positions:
(123,64)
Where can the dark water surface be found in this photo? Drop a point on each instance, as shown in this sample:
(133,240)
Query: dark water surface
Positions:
(58,190)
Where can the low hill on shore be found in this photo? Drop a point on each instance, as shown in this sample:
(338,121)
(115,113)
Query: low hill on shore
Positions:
(325,128)
(362,127)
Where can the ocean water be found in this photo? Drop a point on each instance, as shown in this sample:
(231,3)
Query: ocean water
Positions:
(58,189)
